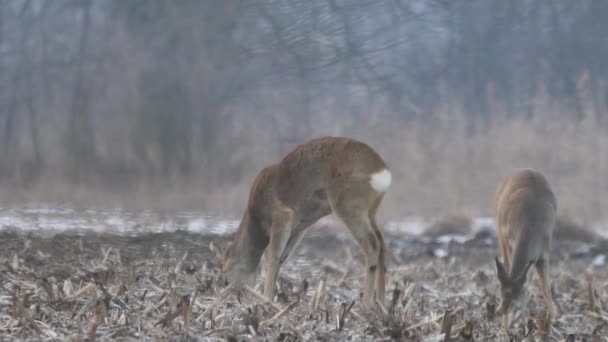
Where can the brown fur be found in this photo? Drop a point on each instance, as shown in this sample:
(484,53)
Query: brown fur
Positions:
(324,175)
(525,216)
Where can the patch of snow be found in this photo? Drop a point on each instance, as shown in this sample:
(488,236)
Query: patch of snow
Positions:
(48,217)
(454,238)
(599,260)
(481,223)
(224,226)
(440,253)
(197,225)
(412,225)
(116,220)
(47,210)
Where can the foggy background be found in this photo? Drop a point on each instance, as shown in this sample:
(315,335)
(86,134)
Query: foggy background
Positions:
(152,103)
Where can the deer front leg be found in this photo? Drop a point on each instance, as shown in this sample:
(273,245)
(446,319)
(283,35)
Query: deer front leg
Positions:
(542,269)
(280,231)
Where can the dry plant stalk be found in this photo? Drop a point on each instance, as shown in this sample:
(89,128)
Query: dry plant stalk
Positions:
(49,289)
(467,332)
(17,303)
(381,308)
(86,288)
(302,293)
(169,317)
(543,324)
(83,309)
(174,301)
(529,327)
(221,299)
(280,314)
(318,294)
(594,303)
(131,274)
(14,264)
(394,299)
(186,311)
(342,312)
(68,288)
(407,295)
(101,310)
(433,319)
(262,298)
(172,280)
(103,275)
(122,290)
(596,315)
(106,254)
(490,310)
(20,311)
(446,324)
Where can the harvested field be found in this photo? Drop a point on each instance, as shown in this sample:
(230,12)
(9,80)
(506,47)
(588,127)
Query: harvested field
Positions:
(81,285)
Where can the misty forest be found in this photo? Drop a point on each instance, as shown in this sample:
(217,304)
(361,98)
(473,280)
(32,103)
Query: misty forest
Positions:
(131,132)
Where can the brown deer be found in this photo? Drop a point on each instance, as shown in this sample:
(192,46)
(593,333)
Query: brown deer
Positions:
(324,175)
(525,216)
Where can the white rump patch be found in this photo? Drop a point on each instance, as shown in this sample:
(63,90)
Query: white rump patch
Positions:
(381,180)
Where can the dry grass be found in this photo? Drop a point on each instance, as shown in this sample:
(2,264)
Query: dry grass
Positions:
(166,286)
(438,167)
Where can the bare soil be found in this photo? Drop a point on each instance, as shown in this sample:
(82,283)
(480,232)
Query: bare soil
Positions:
(167,286)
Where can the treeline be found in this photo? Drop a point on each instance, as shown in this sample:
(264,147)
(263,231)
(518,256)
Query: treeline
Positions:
(116,92)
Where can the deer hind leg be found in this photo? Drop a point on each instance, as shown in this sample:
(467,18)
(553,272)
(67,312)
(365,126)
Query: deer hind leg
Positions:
(352,206)
(293,241)
(542,269)
(381,270)
(280,232)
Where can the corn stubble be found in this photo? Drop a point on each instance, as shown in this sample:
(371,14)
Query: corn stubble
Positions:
(167,286)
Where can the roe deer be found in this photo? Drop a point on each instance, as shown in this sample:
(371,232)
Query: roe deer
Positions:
(324,175)
(525,216)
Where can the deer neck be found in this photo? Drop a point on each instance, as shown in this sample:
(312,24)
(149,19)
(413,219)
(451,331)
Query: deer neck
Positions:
(249,243)
(523,254)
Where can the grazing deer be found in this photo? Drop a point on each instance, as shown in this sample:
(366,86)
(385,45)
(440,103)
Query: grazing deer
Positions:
(324,175)
(525,216)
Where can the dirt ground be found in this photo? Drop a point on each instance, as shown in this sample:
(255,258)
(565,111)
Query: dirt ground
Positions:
(164,286)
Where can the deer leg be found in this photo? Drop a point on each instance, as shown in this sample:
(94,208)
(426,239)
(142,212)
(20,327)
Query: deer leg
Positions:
(358,223)
(293,241)
(542,269)
(361,230)
(506,255)
(280,232)
(381,270)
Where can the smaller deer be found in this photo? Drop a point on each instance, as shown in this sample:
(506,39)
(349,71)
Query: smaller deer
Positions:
(525,216)
(324,175)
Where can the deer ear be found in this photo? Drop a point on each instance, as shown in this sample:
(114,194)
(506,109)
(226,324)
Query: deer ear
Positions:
(503,277)
(521,278)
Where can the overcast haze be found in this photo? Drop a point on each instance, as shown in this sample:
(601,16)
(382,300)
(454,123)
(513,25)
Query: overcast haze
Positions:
(180,103)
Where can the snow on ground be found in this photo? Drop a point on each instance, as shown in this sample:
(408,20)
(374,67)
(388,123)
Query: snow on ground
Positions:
(57,218)
(115,220)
